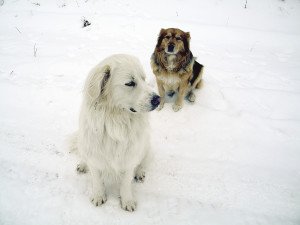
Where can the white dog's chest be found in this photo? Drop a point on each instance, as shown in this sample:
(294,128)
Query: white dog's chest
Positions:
(119,145)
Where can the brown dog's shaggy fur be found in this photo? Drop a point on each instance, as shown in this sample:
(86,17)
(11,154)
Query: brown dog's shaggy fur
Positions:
(175,67)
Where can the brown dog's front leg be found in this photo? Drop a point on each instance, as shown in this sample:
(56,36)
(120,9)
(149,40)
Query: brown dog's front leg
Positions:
(181,94)
(161,92)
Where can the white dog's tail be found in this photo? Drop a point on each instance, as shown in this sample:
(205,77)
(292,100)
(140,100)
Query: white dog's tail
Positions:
(73,142)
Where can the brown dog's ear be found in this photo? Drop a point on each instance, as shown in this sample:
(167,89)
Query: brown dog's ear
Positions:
(97,82)
(188,35)
(161,35)
(186,41)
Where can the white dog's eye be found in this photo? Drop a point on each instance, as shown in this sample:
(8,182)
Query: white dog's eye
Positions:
(131,84)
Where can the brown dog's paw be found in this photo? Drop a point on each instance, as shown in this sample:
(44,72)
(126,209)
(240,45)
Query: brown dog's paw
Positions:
(191,97)
(176,107)
(160,107)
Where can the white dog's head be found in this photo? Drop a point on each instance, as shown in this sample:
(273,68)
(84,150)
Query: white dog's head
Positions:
(119,82)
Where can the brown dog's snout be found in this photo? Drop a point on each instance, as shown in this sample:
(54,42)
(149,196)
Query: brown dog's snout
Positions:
(171,47)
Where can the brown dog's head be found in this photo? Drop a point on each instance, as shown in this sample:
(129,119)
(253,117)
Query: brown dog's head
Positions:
(173,40)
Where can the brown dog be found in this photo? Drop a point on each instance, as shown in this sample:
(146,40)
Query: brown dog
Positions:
(175,68)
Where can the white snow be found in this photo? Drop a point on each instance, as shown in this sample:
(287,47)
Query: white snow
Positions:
(233,157)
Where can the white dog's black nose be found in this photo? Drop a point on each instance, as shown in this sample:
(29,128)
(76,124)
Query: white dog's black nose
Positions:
(155,101)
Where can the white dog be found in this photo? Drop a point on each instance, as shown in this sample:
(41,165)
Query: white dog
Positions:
(113,138)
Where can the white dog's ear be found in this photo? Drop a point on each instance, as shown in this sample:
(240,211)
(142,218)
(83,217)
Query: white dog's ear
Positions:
(105,79)
(98,82)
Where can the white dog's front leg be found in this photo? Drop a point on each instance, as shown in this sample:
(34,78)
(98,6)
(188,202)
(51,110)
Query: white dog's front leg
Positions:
(140,170)
(127,201)
(98,196)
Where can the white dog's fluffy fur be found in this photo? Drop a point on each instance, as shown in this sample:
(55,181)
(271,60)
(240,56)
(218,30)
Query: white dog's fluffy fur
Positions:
(113,137)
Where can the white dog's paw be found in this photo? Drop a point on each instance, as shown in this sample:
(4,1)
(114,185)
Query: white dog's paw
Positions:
(140,176)
(98,200)
(129,205)
(176,107)
(191,97)
(81,168)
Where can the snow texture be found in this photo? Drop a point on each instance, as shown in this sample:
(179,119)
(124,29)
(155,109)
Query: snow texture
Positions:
(231,158)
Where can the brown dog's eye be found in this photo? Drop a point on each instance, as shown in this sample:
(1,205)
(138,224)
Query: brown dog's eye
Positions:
(178,38)
(167,37)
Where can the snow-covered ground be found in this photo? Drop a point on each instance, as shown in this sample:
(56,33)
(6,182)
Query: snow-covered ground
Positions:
(231,158)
